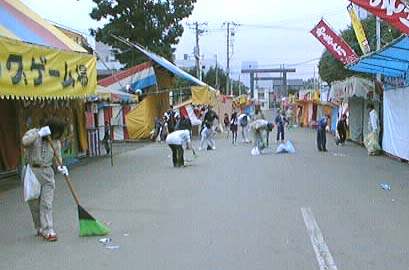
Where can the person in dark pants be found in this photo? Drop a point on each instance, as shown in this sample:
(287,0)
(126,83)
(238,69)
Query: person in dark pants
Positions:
(342,128)
(226,122)
(107,137)
(280,122)
(183,123)
(321,134)
(176,140)
(234,124)
(207,131)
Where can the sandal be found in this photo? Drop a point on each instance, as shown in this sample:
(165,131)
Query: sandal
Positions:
(51,237)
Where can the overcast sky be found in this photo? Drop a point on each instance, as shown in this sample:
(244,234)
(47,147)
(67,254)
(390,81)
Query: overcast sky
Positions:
(273,32)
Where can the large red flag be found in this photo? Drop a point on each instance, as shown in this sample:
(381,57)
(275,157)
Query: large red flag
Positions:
(395,12)
(334,43)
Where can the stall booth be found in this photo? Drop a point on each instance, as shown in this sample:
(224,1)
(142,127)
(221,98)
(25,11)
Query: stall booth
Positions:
(307,108)
(40,81)
(30,96)
(156,100)
(244,104)
(352,96)
(392,62)
(105,114)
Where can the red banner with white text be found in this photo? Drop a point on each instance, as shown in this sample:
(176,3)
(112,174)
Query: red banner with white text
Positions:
(334,43)
(395,12)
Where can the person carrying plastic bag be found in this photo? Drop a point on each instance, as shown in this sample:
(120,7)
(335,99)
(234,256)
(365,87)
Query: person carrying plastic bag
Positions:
(371,141)
(260,129)
(40,158)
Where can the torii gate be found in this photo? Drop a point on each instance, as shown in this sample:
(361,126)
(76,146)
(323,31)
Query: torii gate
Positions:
(283,71)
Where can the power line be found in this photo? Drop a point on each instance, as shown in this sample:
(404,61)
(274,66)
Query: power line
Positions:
(283,24)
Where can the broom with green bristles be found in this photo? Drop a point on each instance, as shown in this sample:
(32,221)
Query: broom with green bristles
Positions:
(89,226)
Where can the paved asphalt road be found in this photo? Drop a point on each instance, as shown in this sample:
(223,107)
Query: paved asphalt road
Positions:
(228,211)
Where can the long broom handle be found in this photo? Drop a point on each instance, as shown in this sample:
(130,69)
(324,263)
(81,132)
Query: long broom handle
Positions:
(67,179)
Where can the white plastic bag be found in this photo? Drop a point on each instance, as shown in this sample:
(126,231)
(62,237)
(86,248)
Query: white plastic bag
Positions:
(290,147)
(255,151)
(286,148)
(32,188)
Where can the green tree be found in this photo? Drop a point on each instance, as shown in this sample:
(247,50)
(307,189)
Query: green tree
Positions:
(331,70)
(154,24)
(210,78)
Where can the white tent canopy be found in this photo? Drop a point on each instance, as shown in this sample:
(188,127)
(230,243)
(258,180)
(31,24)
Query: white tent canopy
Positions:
(351,87)
(104,90)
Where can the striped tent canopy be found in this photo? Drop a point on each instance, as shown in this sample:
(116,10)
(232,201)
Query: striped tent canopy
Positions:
(19,22)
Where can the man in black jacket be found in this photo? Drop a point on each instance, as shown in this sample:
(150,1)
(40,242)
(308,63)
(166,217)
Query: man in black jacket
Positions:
(207,132)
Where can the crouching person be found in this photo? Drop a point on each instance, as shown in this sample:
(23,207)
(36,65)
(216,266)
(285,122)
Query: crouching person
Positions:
(40,156)
(261,129)
(176,140)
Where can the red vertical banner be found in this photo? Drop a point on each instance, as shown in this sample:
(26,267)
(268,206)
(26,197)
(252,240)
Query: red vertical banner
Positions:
(183,112)
(125,110)
(334,43)
(107,115)
(395,12)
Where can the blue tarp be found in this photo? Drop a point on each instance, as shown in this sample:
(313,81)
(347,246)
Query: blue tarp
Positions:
(391,61)
(178,72)
(334,119)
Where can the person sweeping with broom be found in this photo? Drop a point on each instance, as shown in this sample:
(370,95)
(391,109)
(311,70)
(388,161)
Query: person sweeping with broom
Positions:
(40,157)
(44,150)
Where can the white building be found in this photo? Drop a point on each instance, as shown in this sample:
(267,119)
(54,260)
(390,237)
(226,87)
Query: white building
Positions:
(263,97)
(106,64)
(189,62)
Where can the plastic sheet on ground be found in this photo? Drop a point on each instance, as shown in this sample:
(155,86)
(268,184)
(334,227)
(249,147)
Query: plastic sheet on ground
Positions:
(255,151)
(371,143)
(286,148)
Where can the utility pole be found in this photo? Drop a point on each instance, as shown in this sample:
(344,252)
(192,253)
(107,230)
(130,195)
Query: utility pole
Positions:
(197,27)
(378,41)
(313,82)
(217,75)
(239,84)
(228,59)
(197,53)
(230,33)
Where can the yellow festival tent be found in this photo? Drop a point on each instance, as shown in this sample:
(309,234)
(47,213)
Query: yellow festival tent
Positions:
(38,61)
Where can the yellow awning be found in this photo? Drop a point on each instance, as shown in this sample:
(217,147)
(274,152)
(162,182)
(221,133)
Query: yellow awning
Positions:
(35,72)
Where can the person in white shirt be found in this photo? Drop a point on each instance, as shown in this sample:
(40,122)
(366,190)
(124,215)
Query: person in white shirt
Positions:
(372,140)
(261,129)
(243,120)
(373,119)
(176,141)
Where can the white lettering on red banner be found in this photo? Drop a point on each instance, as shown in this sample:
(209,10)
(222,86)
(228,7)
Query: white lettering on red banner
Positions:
(321,33)
(334,43)
(394,12)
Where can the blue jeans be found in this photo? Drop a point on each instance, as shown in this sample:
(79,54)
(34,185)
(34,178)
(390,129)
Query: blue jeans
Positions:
(280,132)
(321,139)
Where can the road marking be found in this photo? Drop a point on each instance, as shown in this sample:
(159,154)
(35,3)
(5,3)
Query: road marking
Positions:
(324,257)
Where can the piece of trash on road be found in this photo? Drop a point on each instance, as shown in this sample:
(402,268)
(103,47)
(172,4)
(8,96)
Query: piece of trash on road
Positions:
(111,247)
(105,241)
(393,200)
(286,148)
(386,187)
